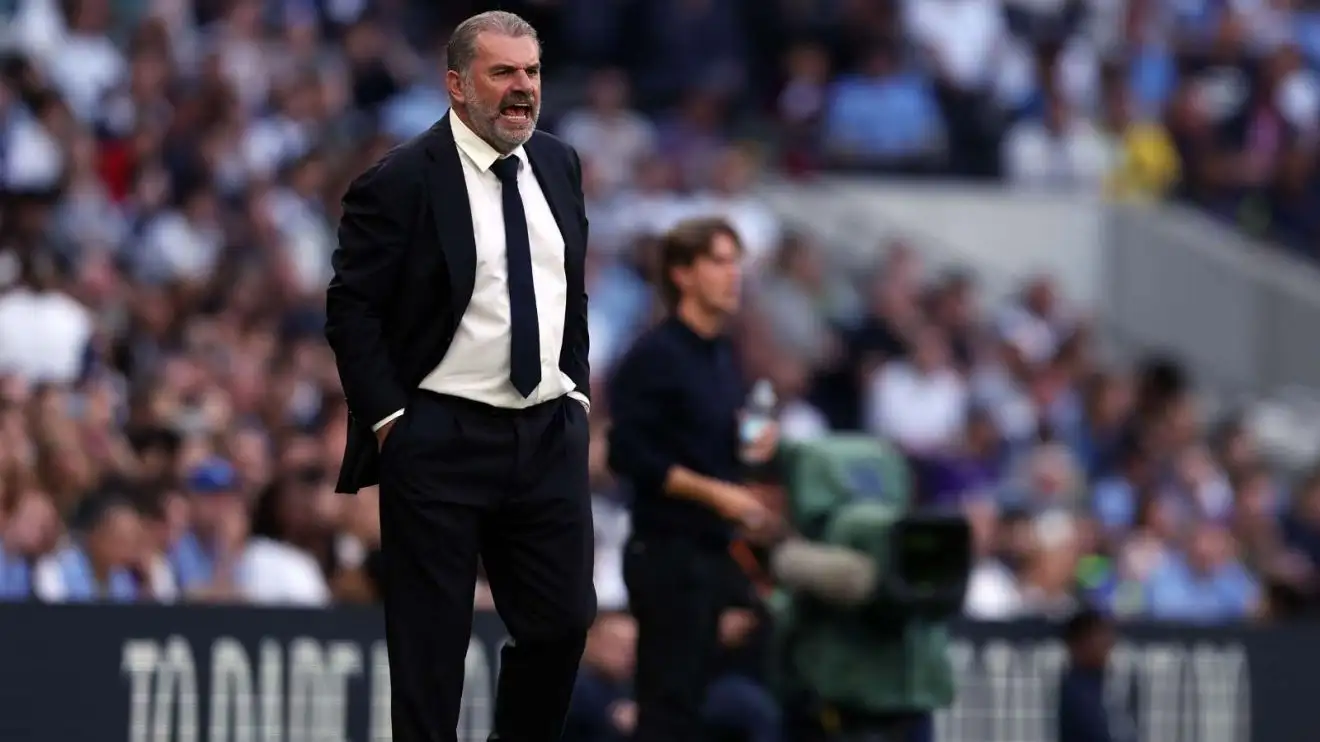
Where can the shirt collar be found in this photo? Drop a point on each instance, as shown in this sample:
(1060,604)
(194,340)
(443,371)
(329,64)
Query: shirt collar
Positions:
(477,149)
(694,337)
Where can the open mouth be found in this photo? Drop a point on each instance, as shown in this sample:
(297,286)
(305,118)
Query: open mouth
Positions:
(520,112)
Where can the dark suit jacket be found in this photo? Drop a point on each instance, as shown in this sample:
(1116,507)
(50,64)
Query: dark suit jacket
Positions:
(404,272)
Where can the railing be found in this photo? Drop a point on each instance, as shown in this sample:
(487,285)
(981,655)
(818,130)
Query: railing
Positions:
(197,674)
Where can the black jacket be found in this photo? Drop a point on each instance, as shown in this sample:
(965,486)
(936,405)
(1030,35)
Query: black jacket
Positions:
(404,273)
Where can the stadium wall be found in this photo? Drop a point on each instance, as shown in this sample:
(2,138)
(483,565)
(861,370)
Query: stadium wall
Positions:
(214,674)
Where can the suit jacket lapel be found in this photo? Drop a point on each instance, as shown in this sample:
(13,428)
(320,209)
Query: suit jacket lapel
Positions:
(453,215)
(558,192)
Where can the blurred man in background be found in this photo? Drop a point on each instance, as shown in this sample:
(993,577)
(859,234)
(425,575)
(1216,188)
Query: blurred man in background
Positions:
(675,399)
(1083,714)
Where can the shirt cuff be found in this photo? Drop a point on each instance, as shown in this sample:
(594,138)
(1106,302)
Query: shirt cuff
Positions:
(376,428)
(586,403)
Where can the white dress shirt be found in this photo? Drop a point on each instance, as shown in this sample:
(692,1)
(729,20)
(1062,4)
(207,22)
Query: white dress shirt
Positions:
(476,366)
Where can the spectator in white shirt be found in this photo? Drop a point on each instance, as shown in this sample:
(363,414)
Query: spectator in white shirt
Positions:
(87,65)
(613,524)
(962,38)
(184,244)
(799,420)
(44,333)
(615,138)
(242,56)
(730,196)
(992,590)
(1037,324)
(1058,152)
(650,207)
(963,41)
(920,404)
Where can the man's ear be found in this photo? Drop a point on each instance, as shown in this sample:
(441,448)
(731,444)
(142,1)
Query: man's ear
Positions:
(454,86)
(678,275)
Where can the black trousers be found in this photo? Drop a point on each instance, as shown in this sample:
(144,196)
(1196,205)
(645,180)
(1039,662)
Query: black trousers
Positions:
(462,481)
(676,592)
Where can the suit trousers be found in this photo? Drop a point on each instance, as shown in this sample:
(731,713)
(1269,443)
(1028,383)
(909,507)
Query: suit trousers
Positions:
(462,482)
(677,590)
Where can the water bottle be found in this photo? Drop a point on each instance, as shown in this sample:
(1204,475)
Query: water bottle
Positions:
(757,416)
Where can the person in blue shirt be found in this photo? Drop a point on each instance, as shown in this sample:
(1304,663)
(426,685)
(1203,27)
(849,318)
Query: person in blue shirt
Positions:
(1115,499)
(208,559)
(1206,585)
(98,563)
(15,574)
(887,90)
(30,531)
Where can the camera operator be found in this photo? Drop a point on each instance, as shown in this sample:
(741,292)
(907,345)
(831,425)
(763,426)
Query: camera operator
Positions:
(676,402)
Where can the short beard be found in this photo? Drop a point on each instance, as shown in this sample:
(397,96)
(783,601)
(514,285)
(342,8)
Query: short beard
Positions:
(484,118)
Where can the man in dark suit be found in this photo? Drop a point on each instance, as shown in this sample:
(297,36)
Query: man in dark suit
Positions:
(458,318)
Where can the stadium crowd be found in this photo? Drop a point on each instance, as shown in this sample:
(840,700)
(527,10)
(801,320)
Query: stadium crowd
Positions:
(171,420)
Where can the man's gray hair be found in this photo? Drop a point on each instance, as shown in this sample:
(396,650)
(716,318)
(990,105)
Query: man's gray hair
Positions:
(462,49)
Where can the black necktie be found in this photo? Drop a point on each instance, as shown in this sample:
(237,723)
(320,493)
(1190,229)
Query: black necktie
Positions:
(524,335)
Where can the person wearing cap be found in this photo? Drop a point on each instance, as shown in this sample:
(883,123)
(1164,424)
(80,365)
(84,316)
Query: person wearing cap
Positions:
(218,560)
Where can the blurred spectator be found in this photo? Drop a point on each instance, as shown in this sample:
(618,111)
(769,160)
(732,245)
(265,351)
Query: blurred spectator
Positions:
(793,300)
(728,195)
(87,64)
(799,419)
(1153,537)
(921,404)
(1046,578)
(991,589)
(1207,584)
(801,104)
(603,709)
(1061,151)
(614,140)
(912,139)
(969,471)
(612,522)
(44,332)
(1048,478)
(100,563)
(1116,498)
(1302,525)
(31,528)
(962,40)
(1143,164)
(219,559)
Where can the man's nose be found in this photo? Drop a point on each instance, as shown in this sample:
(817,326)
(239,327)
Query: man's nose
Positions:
(522,82)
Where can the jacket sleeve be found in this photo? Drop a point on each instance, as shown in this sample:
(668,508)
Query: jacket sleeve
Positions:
(373,239)
(581,339)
